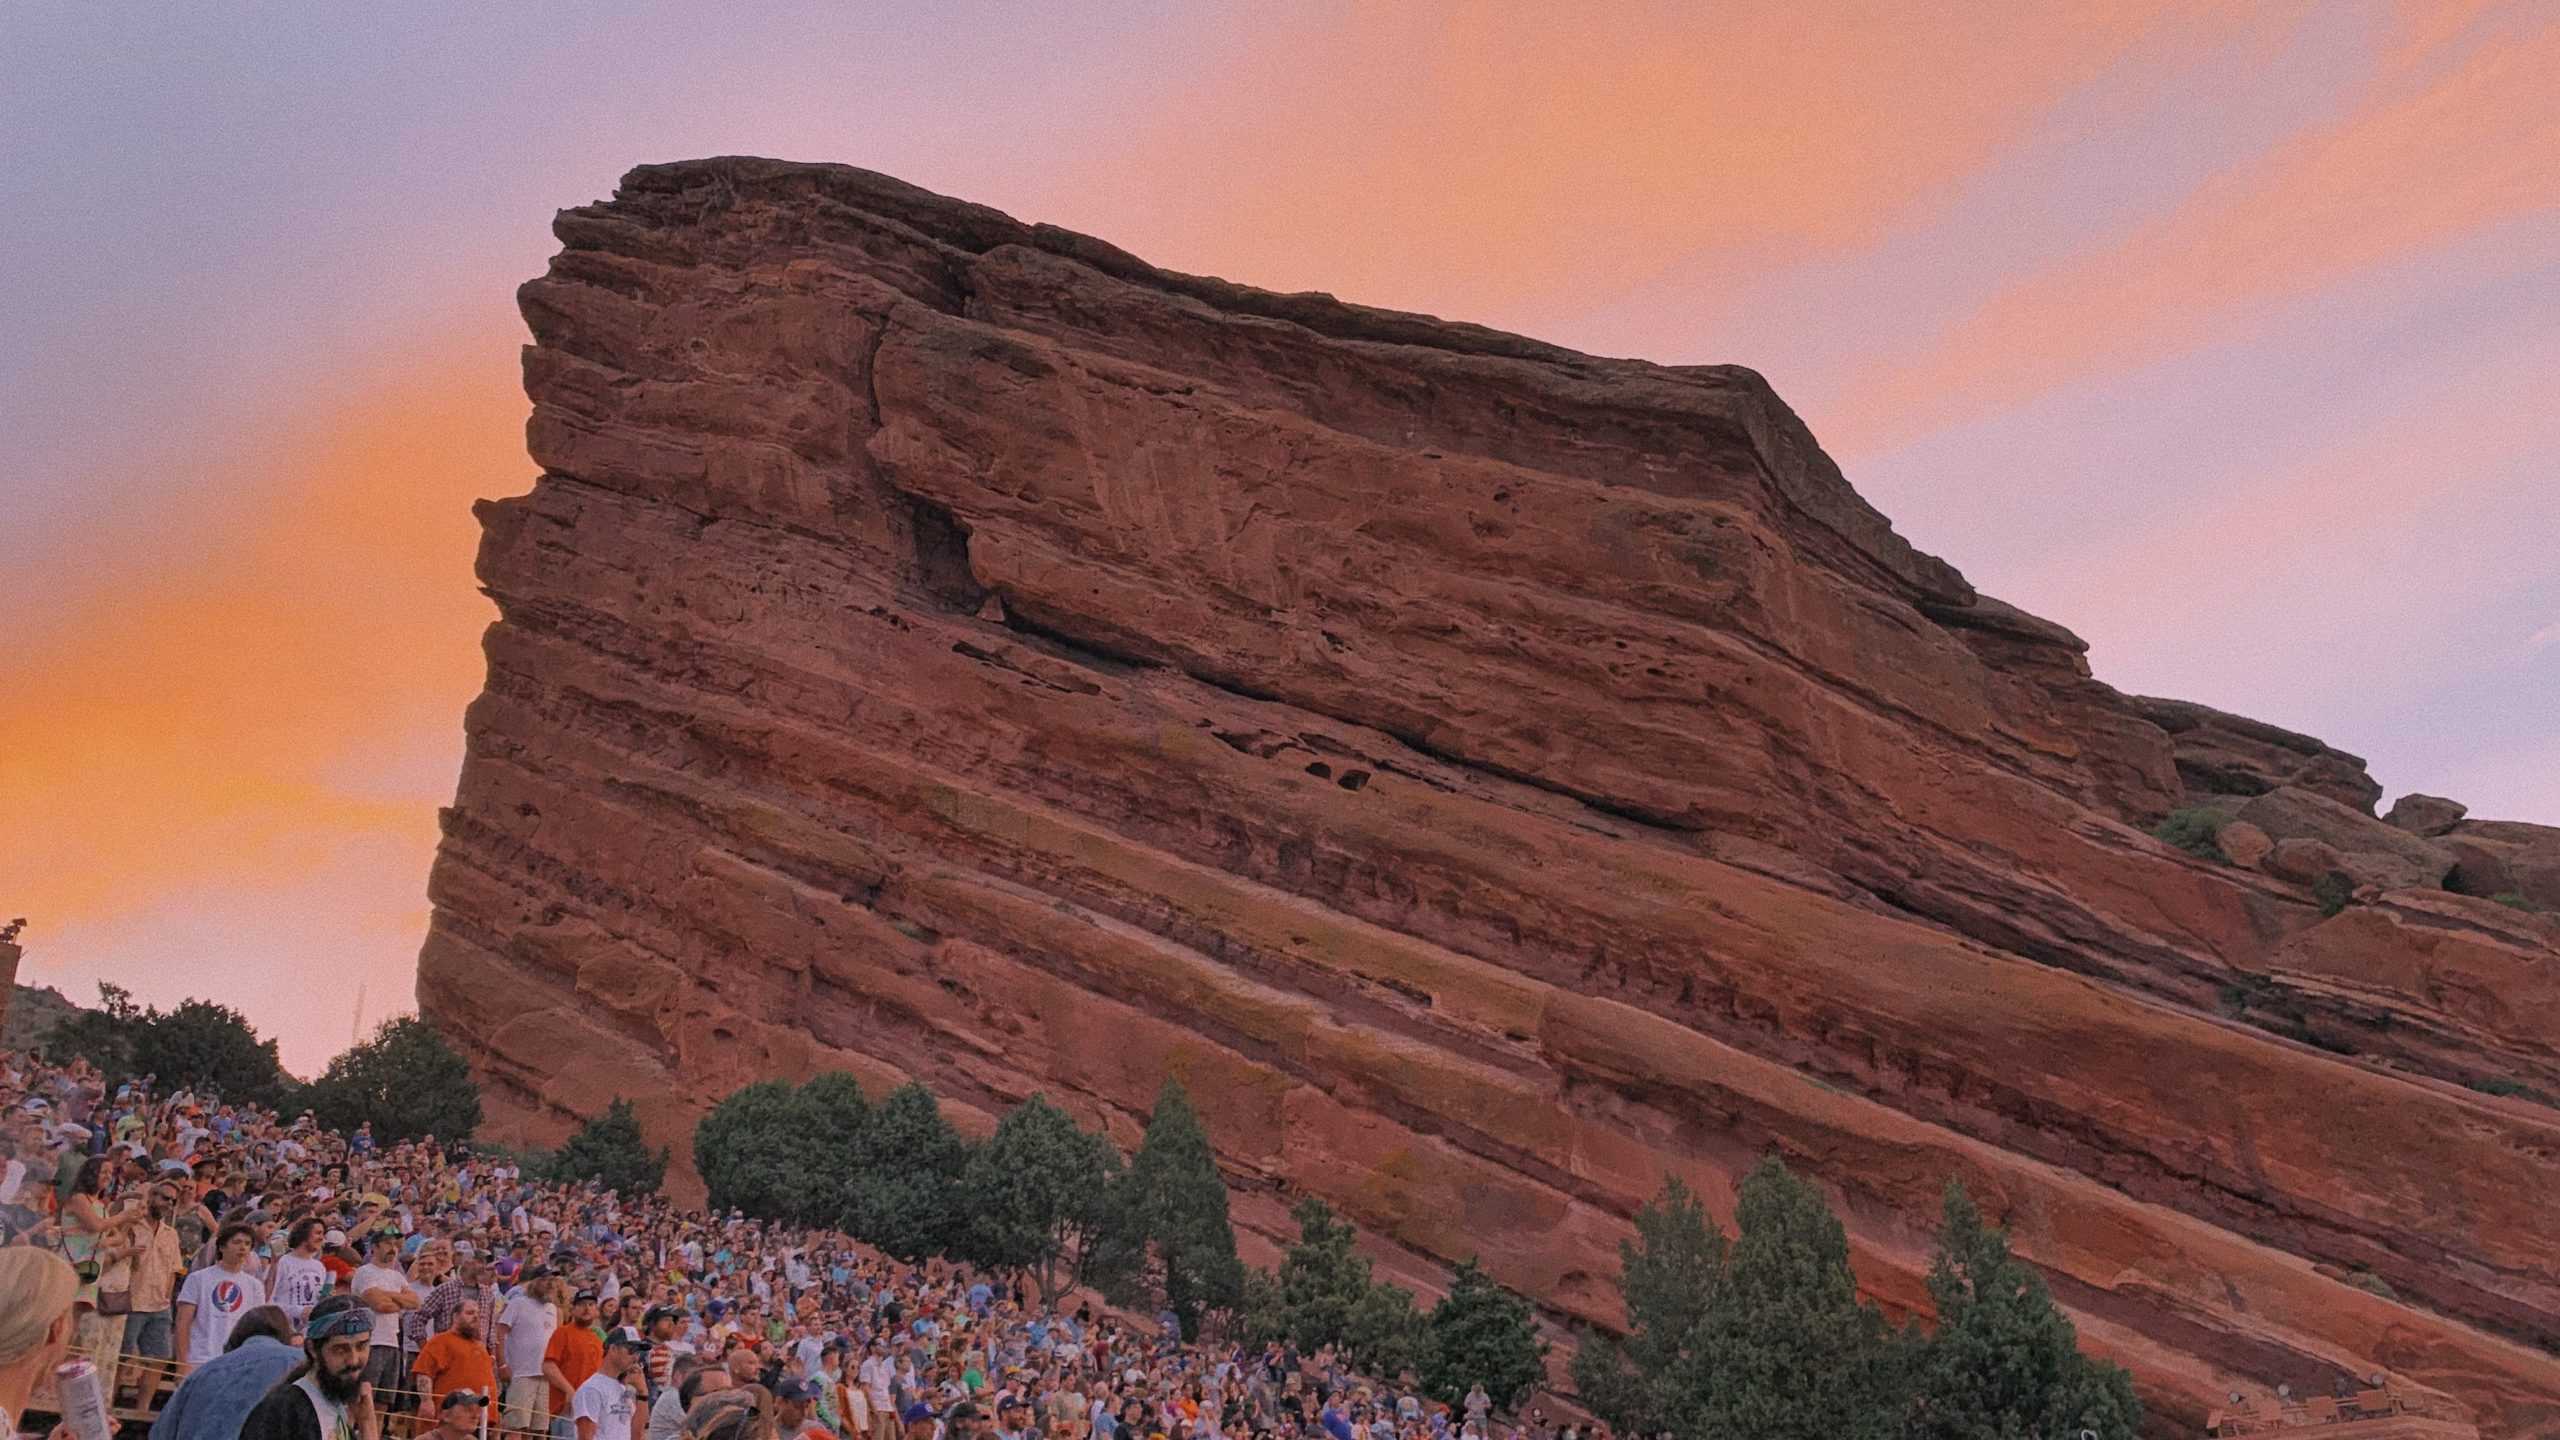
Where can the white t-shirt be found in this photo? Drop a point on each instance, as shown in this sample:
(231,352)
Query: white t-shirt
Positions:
(875,1374)
(530,1323)
(605,1401)
(300,1282)
(386,1324)
(221,1297)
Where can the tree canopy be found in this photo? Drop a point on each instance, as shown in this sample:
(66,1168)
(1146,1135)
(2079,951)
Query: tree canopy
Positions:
(198,1045)
(1037,1192)
(2004,1361)
(609,1151)
(1480,1333)
(405,1081)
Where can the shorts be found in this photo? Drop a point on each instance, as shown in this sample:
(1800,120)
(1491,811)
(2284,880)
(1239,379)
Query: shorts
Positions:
(151,1336)
(387,1367)
(527,1405)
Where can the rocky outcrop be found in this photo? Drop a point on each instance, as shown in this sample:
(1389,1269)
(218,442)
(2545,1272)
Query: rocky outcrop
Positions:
(2222,755)
(2426,814)
(1497,779)
(2370,851)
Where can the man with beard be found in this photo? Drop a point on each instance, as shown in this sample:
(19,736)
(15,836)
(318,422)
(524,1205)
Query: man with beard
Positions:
(326,1397)
(456,1359)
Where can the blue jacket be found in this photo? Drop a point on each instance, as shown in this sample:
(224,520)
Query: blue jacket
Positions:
(214,1401)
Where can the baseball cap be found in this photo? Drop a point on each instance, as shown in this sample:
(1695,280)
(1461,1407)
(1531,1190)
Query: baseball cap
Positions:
(334,1237)
(788,1388)
(583,1296)
(917,1411)
(451,1398)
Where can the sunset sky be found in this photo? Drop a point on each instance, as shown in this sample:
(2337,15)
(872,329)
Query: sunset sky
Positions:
(2226,334)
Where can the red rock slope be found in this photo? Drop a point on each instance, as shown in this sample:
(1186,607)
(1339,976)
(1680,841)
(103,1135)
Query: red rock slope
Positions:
(1495,778)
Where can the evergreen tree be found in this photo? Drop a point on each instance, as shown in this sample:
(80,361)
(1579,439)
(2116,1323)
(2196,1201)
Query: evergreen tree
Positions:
(1668,1274)
(1321,1281)
(2005,1363)
(405,1081)
(1035,1192)
(832,1118)
(906,1195)
(1170,1243)
(1482,1334)
(749,1150)
(1388,1333)
(1787,1351)
(609,1151)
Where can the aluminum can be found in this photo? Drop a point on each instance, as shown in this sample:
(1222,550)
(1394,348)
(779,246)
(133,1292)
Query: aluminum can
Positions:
(83,1398)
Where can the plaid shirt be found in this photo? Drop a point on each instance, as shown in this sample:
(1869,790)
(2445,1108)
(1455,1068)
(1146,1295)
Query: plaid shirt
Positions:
(436,1314)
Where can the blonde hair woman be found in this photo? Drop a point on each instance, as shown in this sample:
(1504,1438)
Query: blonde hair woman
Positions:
(36,1291)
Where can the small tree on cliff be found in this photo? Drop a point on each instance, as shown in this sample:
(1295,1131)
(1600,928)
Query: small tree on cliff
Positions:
(1323,1294)
(609,1151)
(1169,1241)
(1482,1334)
(1667,1273)
(1762,1335)
(1035,1193)
(2005,1361)
(405,1081)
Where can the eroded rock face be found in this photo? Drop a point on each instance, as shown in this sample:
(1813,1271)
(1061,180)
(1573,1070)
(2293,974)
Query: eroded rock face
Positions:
(1495,778)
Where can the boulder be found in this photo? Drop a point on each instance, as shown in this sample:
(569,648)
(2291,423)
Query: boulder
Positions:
(2371,852)
(2244,844)
(2425,814)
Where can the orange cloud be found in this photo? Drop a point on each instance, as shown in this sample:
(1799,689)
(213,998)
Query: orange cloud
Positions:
(1511,164)
(2442,146)
(190,721)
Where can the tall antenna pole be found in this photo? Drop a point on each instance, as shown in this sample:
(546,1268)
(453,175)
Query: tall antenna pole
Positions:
(355,1026)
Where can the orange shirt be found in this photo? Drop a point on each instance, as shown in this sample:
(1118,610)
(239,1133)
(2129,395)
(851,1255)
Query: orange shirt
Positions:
(579,1354)
(449,1362)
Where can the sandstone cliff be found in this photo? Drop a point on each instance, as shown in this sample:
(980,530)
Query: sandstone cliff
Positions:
(1494,777)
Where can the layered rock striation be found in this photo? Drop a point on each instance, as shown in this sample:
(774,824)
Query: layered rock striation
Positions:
(1495,778)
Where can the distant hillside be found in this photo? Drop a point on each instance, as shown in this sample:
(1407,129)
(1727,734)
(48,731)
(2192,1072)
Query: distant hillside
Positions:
(33,1012)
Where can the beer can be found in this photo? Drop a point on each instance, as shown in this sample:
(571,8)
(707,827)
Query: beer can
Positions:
(83,1398)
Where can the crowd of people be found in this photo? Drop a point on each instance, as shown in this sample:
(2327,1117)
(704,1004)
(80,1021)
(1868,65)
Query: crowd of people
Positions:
(300,1283)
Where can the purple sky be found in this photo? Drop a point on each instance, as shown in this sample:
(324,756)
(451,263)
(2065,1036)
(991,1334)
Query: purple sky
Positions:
(2225,335)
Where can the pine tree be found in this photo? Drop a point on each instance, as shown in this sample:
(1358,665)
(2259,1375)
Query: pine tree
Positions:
(609,1150)
(2005,1362)
(1321,1281)
(1035,1192)
(906,1196)
(1668,1274)
(1170,1242)
(749,1151)
(1482,1334)
(831,1117)
(1787,1351)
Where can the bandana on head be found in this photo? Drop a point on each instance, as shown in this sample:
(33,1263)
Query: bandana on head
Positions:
(344,1324)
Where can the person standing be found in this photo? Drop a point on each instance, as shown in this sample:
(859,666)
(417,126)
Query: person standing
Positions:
(386,1291)
(456,1359)
(525,1328)
(300,1278)
(604,1406)
(327,1396)
(151,1233)
(213,1299)
(575,1353)
(215,1401)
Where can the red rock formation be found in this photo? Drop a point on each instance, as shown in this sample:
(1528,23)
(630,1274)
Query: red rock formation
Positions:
(1495,778)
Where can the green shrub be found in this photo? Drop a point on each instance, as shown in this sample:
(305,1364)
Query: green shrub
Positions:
(2514,900)
(2194,830)
(2333,891)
